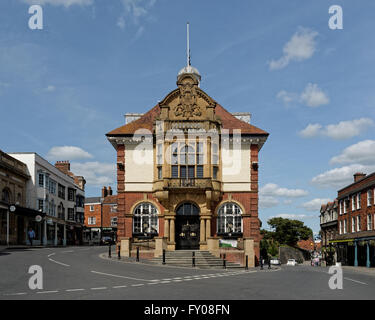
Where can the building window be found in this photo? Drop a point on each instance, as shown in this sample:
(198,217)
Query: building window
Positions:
(159,154)
(160,173)
(340,207)
(358,223)
(346,204)
(19,198)
(215,153)
(114,222)
(52,187)
(71,214)
(6,196)
(91,220)
(70,194)
(41,205)
(369,222)
(61,190)
(61,211)
(358,201)
(353,224)
(114,208)
(215,171)
(229,220)
(354,203)
(340,227)
(91,208)
(345,226)
(41,180)
(145,219)
(370,197)
(187,160)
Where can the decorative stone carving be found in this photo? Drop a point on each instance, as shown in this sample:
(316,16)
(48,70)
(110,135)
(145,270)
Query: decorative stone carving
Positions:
(188,106)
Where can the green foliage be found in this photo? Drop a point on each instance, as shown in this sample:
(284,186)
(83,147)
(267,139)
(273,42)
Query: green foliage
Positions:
(287,231)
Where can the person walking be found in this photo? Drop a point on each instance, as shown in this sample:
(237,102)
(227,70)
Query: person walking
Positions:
(31,235)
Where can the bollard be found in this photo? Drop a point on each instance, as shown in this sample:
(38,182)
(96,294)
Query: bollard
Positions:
(225,261)
(137,254)
(109,251)
(163,256)
(269,263)
(193,263)
(261,263)
(247,263)
(119,252)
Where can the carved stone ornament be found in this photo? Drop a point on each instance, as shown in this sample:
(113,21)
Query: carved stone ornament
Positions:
(187,107)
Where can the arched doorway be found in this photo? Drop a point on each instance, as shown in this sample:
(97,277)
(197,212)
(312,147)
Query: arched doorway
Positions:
(187,227)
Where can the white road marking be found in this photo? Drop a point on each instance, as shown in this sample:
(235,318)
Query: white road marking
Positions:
(63,264)
(53,291)
(355,281)
(15,294)
(138,285)
(73,290)
(153,283)
(67,251)
(50,255)
(118,276)
(100,288)
(118,287)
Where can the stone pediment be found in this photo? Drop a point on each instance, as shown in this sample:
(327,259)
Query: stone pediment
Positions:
(187,102)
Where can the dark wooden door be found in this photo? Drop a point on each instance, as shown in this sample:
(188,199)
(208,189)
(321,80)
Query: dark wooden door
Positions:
(187,232)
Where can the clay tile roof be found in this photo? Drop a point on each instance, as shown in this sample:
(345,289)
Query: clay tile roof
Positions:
(110,199)
(146,122)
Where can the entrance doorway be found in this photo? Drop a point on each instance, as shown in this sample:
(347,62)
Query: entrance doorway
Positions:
(187,227)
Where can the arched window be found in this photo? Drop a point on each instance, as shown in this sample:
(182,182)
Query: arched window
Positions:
(229,220)
(187,209)
(6,195)
(145,219)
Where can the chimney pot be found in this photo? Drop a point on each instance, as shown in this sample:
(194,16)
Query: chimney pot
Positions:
(358,176)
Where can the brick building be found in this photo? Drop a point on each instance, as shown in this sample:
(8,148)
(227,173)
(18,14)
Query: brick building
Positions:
(328,228)
(187,174)
(15,217)
(101,216)
(355,242)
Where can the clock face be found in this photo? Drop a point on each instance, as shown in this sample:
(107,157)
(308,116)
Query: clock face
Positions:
(12,208)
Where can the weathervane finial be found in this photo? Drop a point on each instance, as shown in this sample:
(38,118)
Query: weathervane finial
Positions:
(188,62)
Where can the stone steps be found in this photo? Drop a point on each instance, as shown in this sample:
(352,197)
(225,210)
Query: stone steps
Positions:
(183,258)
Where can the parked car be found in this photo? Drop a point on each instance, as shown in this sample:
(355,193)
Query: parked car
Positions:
(291,262)
(275,262)
(107,241)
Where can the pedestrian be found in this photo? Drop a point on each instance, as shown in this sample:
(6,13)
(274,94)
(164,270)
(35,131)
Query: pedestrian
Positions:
(31,235)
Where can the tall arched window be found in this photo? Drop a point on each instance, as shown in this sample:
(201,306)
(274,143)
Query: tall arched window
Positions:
(145,219)
(6,195)
(229,220)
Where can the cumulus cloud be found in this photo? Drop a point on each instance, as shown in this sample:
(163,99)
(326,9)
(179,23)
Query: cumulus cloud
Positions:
(67,153)
(273,190)
(95,173)
(311,96)
(267,202)
(362,152)
(315,204)
(134,11)
(339,131)
(300,47)
(340,177)
(65,3)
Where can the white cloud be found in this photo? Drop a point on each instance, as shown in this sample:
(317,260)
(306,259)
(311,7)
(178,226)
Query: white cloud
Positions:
(300,47)
(360,153)
(342,130)
(65,3)
(267,201)
(315,204)
(340,177)
(293,216)
(95,173)
(311,96)
(134,11)
(67,153)
(50,88)
(273,190)
(311,130)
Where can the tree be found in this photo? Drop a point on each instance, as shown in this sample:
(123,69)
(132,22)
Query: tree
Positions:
(287,231)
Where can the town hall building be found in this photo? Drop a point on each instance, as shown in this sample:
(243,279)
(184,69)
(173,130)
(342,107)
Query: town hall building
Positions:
(187,175)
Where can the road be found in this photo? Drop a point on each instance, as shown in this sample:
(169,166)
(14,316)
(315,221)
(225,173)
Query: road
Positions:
(79,273)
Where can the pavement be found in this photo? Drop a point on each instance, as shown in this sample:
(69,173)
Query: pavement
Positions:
(79,273)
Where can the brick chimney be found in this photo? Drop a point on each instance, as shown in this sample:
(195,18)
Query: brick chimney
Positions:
(104,192)
(109,191)
(63,166)
(358,176)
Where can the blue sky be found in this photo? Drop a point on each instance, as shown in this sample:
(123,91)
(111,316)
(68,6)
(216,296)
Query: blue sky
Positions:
(309,86)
